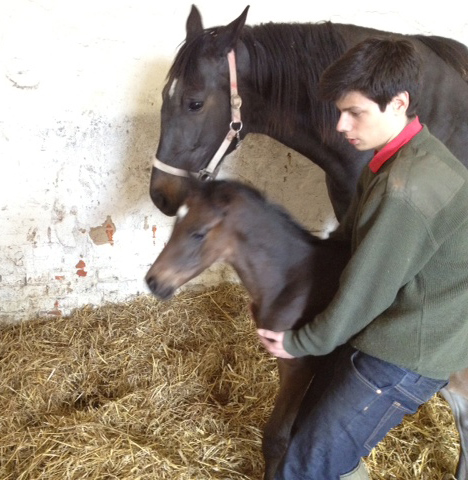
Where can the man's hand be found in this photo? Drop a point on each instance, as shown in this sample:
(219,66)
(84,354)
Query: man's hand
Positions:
(273,342)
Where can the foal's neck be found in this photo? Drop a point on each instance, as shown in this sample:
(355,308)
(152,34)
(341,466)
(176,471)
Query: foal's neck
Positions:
(272,263)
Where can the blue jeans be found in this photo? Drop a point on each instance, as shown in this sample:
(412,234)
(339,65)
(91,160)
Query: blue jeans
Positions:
(347,410)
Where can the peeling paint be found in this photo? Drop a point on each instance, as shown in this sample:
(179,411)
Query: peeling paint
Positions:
(104,233)
(31,236)
(56,312)
(110,229)
(81,271)
(23,79)
(58,212)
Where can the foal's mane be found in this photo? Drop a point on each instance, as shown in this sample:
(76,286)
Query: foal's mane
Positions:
(226,191)
(287,60)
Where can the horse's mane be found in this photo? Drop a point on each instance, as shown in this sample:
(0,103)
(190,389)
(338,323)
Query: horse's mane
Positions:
(287,60)
(451,51)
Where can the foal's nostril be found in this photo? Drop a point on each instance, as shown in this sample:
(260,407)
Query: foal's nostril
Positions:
(164,292)
(152,284)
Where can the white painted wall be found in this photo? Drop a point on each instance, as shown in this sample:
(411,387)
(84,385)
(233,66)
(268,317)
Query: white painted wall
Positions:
(80,93)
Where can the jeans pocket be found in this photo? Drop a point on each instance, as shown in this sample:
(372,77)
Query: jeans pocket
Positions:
(391,418)
(421,391)
(377,374)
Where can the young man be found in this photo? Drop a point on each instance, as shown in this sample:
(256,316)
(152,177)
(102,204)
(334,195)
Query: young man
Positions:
(398,323)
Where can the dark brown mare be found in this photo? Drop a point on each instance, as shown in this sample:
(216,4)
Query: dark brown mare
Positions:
(270,72)
(289,274)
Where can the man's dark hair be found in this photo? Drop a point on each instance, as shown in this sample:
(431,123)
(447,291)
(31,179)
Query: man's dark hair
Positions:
(379,68)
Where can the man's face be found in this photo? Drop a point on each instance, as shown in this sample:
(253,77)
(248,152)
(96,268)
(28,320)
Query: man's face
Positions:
(364,125)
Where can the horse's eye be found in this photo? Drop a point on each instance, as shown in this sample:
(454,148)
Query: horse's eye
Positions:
(198,236)
(195,106)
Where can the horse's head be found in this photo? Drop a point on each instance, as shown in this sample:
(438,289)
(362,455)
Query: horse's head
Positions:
(200,237)
(196,113)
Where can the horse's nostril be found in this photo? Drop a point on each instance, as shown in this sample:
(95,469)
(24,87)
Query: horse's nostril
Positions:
(158,199)
(163,203)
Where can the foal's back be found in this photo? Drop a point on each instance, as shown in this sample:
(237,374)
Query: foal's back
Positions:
(277,259)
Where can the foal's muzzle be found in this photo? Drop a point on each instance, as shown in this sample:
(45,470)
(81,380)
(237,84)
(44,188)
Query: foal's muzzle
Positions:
(164,292)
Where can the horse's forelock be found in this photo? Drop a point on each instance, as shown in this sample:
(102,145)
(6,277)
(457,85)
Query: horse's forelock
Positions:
(185,65)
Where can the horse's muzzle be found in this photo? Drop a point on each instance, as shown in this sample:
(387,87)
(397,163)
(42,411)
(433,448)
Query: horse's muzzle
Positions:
(164,292)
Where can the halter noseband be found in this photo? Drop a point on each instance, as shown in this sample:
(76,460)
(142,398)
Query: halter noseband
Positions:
(211,170)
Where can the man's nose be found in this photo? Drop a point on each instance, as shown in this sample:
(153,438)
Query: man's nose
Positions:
(343,124)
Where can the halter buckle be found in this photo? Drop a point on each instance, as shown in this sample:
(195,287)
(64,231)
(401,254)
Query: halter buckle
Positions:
(236,101)
(205,176)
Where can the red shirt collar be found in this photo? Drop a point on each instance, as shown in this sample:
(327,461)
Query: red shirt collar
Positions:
(411,130)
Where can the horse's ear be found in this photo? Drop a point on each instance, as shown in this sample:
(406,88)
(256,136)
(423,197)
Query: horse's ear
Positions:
(194,25)
(228,35)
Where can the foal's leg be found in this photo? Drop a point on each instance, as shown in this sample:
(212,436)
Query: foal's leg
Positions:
(456,394)
(295,376)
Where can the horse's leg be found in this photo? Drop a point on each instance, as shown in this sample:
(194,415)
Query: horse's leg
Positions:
(295,376)
(456,394)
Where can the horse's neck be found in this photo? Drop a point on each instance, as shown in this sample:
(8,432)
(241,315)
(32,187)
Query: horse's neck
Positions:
(338,159)
(272,271)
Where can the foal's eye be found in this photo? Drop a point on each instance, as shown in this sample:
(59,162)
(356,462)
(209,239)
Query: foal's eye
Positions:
(198,236)
(195,106)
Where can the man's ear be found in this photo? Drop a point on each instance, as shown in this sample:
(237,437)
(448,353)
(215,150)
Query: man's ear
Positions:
(400,102)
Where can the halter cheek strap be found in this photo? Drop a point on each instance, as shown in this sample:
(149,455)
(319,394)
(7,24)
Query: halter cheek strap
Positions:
(211,170)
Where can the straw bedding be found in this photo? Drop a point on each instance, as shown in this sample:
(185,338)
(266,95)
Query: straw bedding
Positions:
(165,390)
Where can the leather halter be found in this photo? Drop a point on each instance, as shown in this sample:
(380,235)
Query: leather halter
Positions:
(211,170)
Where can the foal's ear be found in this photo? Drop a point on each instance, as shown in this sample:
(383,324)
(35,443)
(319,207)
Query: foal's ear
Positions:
(228,35)
(223,197)
(194,25)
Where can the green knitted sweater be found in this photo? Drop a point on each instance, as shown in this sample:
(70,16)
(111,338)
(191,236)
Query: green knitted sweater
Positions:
(403,297)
